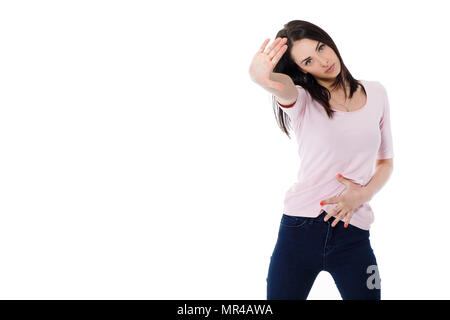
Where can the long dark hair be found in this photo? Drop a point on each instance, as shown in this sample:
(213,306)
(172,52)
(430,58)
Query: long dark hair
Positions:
(296,30)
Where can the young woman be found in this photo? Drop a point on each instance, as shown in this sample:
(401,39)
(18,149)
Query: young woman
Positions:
(342,127)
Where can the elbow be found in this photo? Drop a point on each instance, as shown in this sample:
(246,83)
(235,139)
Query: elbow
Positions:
(386,162)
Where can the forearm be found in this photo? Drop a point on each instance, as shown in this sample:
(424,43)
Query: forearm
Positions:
(378,180)
(290,90)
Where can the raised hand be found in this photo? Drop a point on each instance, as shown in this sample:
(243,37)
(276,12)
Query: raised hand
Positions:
(265,61)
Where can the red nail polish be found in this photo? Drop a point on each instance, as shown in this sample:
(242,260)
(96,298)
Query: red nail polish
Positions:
(339,175)
(321,203)
(346,225)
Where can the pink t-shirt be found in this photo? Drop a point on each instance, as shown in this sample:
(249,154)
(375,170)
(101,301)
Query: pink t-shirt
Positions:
(348,144)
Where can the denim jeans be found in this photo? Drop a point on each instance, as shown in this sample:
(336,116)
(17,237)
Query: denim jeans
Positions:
(305,246)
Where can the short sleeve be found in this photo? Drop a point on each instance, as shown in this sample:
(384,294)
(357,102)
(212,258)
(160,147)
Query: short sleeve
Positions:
(386,150)
(297,111)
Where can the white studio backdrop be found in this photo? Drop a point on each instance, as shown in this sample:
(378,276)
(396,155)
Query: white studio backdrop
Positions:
(139,161)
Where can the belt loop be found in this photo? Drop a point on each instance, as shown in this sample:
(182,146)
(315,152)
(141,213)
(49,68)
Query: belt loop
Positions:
(322,215)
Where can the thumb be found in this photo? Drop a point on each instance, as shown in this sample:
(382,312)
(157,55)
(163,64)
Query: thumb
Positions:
(330,200)
(344,181)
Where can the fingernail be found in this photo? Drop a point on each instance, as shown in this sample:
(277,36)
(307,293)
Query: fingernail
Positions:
(339,175)
(346,225)
(321,203)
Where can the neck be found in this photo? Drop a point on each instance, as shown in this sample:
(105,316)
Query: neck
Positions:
(326,83)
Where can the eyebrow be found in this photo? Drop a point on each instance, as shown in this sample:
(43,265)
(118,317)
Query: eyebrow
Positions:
(318,42)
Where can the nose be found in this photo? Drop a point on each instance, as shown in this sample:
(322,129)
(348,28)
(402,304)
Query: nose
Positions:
(325,63)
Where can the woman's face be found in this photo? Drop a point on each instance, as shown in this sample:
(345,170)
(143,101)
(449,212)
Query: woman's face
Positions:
(316,57)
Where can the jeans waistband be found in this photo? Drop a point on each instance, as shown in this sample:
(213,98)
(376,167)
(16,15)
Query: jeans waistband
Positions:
(321,217)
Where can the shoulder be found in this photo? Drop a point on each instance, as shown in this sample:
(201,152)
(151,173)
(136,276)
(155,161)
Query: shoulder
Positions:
(300,88)
(302,92)
(369,83)
(377,86)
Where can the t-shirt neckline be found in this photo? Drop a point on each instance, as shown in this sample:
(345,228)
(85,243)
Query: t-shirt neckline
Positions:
(363,107)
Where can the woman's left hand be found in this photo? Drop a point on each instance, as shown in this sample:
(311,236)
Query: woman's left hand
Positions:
(350,199)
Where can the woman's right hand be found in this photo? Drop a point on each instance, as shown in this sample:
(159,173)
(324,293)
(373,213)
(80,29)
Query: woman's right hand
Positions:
(265,61)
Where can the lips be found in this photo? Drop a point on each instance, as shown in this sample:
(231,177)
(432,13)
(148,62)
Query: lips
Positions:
(330,68)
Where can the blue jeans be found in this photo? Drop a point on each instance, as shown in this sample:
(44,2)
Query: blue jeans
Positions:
(306,246)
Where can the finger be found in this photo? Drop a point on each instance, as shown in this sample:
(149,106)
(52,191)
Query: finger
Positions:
(276,49)
(328,216)
(330,200)
(261,49)
(339,218)
(333,212)
(274,43)
(279,54)
(347,220)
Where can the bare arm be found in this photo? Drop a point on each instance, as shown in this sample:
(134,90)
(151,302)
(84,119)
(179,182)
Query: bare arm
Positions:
(261,72)
(382,173)
(289,94)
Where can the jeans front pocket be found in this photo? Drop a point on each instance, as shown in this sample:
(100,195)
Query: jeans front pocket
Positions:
(293,221)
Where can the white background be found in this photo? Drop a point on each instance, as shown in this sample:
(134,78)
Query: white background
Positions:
(139,161)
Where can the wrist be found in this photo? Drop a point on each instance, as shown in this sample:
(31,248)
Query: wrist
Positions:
(366,194)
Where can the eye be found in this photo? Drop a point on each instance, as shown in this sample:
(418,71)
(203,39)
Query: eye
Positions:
(321,46)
